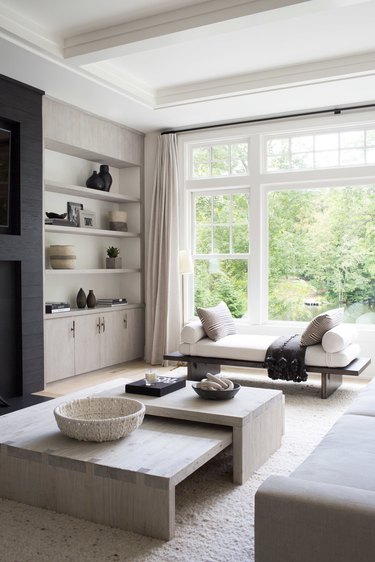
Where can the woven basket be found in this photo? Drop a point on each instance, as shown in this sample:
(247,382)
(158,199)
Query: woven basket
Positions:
(99,418)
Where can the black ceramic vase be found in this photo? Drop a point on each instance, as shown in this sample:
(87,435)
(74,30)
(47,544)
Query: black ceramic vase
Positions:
(95,181)
(91,299)
(106,176)
(81,298)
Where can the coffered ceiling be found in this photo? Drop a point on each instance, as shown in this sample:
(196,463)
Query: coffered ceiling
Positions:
(175,63)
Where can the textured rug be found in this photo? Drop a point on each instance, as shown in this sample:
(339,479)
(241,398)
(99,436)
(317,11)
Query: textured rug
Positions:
(214,518)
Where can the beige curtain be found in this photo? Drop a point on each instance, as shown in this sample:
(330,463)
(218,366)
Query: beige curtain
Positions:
(162,277)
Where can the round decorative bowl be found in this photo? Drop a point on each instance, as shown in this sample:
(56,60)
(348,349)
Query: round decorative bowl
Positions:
(217,394)
(99,418)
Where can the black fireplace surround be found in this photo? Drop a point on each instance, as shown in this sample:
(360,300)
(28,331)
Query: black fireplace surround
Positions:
(21,258)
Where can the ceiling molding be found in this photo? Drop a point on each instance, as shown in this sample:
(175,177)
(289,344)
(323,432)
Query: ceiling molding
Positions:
(166,28)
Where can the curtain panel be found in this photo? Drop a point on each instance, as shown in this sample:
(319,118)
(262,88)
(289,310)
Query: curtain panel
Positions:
(163,314)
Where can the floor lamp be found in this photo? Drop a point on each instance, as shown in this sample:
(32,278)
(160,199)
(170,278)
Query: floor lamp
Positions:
(185,267)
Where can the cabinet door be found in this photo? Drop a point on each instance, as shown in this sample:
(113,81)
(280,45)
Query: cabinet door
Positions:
(135,323)
(114,338)
(87,343)
(59,348)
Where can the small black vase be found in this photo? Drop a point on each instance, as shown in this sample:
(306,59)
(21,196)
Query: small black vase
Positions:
(95,181)
(91,299)
(81,298)
(106,176)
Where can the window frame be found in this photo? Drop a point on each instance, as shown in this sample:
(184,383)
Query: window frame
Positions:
(259,183)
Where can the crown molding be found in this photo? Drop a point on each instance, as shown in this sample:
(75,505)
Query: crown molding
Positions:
(163,29)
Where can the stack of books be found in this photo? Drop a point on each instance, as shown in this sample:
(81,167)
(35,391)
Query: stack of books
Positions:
(111,302)
(53,307)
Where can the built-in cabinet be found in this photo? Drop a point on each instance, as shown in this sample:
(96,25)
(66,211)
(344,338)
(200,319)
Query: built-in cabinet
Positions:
(76,144)
(80,342)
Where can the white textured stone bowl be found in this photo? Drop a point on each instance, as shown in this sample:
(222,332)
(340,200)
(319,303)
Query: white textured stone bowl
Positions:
(99,418)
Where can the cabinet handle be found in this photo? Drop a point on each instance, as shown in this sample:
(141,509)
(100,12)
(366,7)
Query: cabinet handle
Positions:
(103,324)
(125,321)
(98,325)
(73,328)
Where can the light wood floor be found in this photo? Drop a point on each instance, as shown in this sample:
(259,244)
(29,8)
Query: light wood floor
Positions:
(135,370)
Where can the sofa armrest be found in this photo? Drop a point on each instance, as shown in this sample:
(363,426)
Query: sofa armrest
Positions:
(299,520)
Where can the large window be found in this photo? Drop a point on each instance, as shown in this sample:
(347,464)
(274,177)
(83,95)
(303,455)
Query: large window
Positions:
(311,228)
(322,252)
(221,250)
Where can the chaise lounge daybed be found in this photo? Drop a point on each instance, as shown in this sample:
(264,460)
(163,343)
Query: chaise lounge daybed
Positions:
(335,356)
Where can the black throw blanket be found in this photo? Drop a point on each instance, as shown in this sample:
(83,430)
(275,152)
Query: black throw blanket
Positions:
(285,359)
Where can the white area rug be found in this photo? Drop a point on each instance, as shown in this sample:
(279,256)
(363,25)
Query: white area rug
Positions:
(214,518)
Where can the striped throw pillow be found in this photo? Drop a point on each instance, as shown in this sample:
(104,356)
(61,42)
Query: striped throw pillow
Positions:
(217,321)
(320,325)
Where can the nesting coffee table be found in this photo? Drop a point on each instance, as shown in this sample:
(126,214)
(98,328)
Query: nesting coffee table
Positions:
(130,483)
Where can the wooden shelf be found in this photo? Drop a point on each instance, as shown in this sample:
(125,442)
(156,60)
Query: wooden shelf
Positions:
(90,231)
(57,187)
(89,271)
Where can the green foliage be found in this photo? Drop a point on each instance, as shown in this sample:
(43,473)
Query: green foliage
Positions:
(113,252)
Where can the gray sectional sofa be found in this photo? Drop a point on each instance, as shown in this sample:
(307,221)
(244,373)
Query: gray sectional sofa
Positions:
(325,510)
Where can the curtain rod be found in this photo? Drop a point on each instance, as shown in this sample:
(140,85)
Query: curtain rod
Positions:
(333,110)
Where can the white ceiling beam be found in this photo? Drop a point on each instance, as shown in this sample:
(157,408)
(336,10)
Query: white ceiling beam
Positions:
(319,72)
(166,28)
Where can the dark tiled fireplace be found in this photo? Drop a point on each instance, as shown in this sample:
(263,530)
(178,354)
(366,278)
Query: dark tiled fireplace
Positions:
(21,275)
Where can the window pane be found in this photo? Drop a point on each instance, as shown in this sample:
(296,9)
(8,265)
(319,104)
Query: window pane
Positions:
(240,208)
(221,240)
(203,209)
(220,168)
(277,146)
(221,209)
(201,162)
(238,168)
(322,253)
(240,239)
(370,155)
(216,280)
(220,152)
(326,142)
(302,161)
(278,163)
(370,138)
(352,156)
(203,244)
(351,139)
(239,158)
(302,144)
(326,159)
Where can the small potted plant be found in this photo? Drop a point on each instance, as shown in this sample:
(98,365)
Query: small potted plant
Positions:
(113,261)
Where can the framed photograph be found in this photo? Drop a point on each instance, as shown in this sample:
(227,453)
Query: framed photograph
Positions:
(87,219)
(73,212)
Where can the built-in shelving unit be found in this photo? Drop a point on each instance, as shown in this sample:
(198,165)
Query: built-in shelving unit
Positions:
(76,143)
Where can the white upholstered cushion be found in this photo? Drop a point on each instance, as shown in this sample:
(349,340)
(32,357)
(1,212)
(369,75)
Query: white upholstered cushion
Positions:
(339,337)
(249,347)
(192,332)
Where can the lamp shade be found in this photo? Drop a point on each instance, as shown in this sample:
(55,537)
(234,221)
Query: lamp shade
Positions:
(185,262)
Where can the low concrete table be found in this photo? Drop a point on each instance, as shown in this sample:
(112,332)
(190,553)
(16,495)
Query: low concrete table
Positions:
(129,483)
(255,415)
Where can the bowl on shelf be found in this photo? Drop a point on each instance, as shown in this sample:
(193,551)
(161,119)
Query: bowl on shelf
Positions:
(99,418)
(216,394)
(56,215)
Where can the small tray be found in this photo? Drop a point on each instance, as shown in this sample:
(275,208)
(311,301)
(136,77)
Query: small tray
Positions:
(163,385)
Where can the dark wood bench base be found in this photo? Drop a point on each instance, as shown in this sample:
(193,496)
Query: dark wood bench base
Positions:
(331,377)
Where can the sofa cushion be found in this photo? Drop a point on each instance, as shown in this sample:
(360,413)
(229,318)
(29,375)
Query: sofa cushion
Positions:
(339,337)
(345,456)
(364,403)
(320,325)
(193,332)
(252,347)
(217,321)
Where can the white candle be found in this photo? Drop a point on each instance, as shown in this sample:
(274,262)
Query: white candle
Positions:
(151,377)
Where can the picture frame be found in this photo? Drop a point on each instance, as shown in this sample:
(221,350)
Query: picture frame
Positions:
(87,219)
(73,212)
